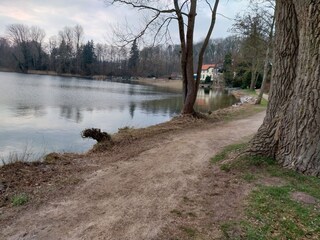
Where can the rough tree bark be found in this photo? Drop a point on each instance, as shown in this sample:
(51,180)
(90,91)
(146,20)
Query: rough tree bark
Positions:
(290,132)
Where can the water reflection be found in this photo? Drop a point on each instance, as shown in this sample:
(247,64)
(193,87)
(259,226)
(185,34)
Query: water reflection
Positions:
(132,108)
(71,113)
(209,100)
(31,111)
(50,112)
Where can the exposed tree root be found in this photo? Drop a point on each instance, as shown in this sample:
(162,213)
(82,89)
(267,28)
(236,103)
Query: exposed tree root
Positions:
(96,134)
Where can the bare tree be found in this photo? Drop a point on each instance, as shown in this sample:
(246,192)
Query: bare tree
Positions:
(78,35)
(78,38)
(161,14)
(67,35)
(254,27)
(19,35)
(270,5)
(37,36)
(53,50)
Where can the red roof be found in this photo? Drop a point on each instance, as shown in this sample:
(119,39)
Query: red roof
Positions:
(207,66)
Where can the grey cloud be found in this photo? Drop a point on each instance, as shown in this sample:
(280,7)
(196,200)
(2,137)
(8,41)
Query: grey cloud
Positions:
(96,18)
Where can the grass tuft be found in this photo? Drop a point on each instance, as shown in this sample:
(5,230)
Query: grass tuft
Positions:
(249,177)
(189,231)
(225,167)
(19,199)
(227,150)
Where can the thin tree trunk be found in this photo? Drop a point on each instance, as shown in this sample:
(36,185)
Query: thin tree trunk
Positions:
(253,75)
(266,63)
(183,49)
(290,132)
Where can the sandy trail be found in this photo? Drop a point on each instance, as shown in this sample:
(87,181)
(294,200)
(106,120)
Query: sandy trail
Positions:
(132,199)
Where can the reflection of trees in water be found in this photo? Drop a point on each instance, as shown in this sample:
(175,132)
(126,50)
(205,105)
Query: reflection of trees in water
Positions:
(24,111)
(169,106)
(71,113)
(207,100)
(132,108)
(213,100)
(39,111)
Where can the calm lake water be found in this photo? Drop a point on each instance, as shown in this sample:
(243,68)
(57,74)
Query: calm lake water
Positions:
(44,113)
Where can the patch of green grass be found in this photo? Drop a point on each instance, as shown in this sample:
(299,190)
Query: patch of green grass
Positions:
(249,177)
(189,231)
(264,102)
(299,182)
(250,92)
(227,150)
(246,162)
(232,230)
(19,199)
(271,213)
(274,215)
(225,167)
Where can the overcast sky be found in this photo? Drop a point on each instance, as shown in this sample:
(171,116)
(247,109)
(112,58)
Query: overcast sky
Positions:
(97,19)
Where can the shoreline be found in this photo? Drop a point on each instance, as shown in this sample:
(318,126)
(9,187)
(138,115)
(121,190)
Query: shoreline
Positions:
(55,74)
(172,85)
(175,85)
(38,183)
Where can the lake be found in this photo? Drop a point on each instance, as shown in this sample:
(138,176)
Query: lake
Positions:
(41,114)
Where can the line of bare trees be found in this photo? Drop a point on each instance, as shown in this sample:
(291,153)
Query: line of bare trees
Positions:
(25,48)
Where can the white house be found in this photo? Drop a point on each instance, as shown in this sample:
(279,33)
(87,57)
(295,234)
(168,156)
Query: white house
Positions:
(208,70)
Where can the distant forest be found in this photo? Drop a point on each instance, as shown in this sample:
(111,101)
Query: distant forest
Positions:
(24,48)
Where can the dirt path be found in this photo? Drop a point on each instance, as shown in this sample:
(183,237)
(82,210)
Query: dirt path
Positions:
(133,199)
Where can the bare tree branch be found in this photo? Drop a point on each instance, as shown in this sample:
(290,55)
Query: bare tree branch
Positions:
(209,5)
(185,14)
(166,22)
(143,6)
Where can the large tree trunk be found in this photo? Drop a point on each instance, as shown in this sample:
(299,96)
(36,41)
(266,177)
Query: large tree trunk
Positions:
(191,93)
(191,85)
(290,132)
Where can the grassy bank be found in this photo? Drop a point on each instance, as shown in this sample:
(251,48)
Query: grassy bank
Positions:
(282,204)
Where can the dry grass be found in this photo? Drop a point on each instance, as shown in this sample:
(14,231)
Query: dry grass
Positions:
(35,178)
(128,135)
(38,178)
